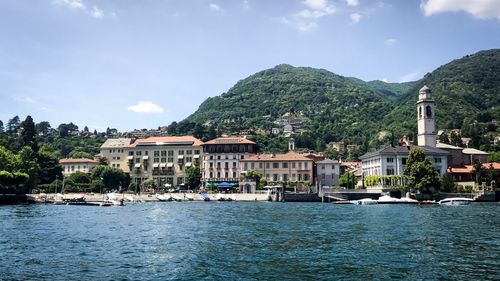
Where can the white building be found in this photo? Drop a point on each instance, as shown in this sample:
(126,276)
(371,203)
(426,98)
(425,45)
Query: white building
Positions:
(392,160)
(83,165)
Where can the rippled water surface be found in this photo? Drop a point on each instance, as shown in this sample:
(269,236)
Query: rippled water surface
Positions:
(250,241)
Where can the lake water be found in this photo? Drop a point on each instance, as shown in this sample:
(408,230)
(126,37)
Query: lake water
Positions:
(250,241)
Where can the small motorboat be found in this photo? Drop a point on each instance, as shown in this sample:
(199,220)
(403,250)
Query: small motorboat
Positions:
(386,199)
(161,197)
(176,197)
(456,201)
(204,196)
(365,201)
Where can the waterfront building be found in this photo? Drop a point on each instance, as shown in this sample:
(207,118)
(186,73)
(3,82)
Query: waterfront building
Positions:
(327,172)
(163,159)
(391,160)
(222,156)
(288,167)
(464,175)
(460,157)
(116,151)
(83,165)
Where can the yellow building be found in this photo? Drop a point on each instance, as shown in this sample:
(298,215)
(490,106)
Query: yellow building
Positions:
(163,159)
(116,151)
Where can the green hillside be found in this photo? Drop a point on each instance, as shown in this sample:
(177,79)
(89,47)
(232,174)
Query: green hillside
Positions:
(332,107)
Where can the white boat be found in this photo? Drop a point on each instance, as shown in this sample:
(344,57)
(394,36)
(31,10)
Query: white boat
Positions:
(176,197)
(456,201)
(161,197)
(386,199)
(364,201)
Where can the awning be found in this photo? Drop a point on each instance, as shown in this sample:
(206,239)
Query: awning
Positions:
(180,157)
(196,156)
(189,164)
(156,165)
(224,185)
(170,165)
(137,165)
(130,158)
(163,165)
(145,157)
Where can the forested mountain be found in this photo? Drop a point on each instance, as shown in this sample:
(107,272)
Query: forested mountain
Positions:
(333,107)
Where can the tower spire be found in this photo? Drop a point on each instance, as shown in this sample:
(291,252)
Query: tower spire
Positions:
(426,118)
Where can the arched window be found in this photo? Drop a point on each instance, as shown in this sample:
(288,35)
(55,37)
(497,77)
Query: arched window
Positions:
(428,111)
(419,112)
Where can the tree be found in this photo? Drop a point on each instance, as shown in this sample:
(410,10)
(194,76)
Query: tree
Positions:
(49,167)
(254,174)
(443,138)
(9,161)
(28,134)
(13,124)
(494,157)
(1,127)
(456,139)
(198,131)
(478,172)
(79,177)
(331,153)
(112,178)
(347,180)
(66,129)
(80,154)
(448,183)
(43,128)
(211,133)
(422,175)
(29,165)
(193,177)
(173,128)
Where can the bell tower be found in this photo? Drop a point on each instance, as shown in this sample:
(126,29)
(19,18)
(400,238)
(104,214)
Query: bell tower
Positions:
(426,118)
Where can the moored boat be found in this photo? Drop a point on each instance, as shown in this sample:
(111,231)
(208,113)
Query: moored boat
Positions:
(456,201)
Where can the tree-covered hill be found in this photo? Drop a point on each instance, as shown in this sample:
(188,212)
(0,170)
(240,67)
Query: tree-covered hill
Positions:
(465,90)
(333,107)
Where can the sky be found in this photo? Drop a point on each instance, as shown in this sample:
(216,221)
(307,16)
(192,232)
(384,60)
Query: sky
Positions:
(131,64)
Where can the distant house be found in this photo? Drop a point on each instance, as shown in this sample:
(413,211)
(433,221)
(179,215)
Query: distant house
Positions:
(83,165)
(327,172)
(463,175)
(460,156)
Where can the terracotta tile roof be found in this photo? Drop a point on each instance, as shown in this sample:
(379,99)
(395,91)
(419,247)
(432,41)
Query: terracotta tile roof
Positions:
(467,169)
(289,156)
(172,140)
(351,164)
(230,140)
(77,160)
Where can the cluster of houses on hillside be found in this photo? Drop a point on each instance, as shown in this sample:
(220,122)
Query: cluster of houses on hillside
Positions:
(228,160)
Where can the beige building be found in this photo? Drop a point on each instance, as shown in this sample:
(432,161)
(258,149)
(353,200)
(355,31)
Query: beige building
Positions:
(288,167)
(163,159)
(222,156)
(116,152)
(83,165)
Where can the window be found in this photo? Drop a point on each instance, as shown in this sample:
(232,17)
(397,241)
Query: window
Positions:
(197,151)
(170,159)
(226,175)
(156,153)
(267,165)
(246,166)
(211,164)
(252,165)
(146,152)
(234,165)
(130,153)
(306,165)
(164,153)
(293,165)
(170,153)
(156,160)
(189,152)
(138,153)
(437,160)
(322,167)
(137,160)
(389,171)
(390,160)
(276,165)
(285,165)
(323,176)
(285,177)
(403,160)
(181,152)
(300,165)
(275,177)
(428,111)
(163,160)
(211,157)
(260,165)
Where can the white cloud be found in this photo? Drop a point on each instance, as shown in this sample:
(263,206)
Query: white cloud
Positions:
(482,9)
(94,12)
(214,7)
(352,2)
(391,41)
(145,107)
(74,4)
(412,76)
(355,17)
(97,13)
(307,19)
(246,5)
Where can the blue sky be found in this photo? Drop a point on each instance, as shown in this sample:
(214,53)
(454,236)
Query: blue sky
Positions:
(131,64)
